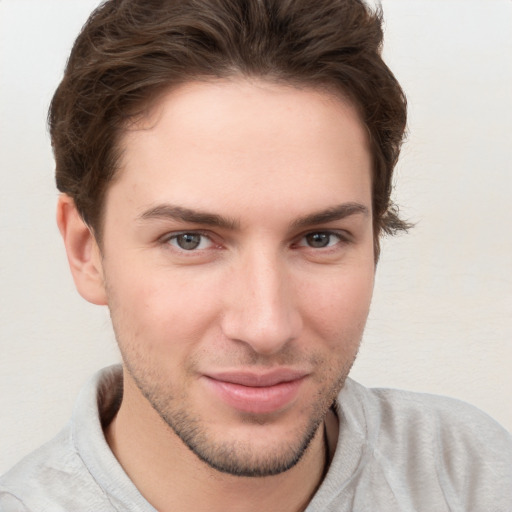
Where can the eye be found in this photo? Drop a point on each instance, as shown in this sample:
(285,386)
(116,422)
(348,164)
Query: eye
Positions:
(320,239)
(189,241)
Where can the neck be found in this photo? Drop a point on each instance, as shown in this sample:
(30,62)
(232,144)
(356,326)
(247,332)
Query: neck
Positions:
(171,477)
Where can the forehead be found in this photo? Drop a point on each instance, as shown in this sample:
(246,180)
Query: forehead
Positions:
(220,142)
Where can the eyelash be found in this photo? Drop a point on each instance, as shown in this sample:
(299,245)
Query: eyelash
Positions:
(175,236)
(342,238)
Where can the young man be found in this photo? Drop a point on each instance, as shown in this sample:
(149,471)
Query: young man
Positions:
(225,169)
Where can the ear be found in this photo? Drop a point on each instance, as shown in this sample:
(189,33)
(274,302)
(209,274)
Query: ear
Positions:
(83,253)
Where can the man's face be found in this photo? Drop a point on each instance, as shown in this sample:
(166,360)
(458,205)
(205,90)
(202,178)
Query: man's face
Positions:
(238,262)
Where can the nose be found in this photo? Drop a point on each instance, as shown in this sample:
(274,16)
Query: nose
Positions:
(261,309)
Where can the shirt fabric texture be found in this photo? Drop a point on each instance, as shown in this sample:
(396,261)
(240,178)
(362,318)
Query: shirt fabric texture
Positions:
(397,451)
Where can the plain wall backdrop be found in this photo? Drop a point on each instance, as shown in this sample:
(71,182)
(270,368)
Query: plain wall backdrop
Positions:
(441,320)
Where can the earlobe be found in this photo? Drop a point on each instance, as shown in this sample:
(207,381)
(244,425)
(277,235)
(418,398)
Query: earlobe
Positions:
(83,252)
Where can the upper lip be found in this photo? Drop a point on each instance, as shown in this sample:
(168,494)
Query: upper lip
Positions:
(258,379)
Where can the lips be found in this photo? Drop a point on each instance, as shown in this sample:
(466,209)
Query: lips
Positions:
(257,393)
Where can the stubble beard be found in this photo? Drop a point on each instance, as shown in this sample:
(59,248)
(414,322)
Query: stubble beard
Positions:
(234,457)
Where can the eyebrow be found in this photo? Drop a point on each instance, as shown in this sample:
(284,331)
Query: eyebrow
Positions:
(168,211)
(331,214)
(180,213)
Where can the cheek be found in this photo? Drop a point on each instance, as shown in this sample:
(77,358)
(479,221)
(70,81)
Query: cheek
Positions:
(338,308)
(158,309)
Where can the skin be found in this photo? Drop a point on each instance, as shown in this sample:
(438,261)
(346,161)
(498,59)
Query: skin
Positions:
(258,177)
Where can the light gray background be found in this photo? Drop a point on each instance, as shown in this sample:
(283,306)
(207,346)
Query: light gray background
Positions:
(441,321)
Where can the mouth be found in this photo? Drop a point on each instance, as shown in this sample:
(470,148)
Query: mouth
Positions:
(257,393)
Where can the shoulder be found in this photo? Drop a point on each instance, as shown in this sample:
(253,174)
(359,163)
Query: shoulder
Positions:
(10,503)
(31,476)
(62,475)
(450,422)
(453,426)
(39,479)
(433,444)
(395,410)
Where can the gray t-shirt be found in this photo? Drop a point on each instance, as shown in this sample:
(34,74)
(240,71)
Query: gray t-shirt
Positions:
(397,451)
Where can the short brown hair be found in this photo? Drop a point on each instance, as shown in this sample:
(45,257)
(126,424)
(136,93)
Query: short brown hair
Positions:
(129,50)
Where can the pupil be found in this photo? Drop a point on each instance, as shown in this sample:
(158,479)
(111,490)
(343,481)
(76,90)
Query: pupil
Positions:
(318,239)
(189,241)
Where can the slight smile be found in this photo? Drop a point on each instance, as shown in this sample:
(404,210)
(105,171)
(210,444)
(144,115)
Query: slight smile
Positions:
(257,393)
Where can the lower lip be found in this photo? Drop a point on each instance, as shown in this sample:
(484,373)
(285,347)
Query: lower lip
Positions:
(256,400)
